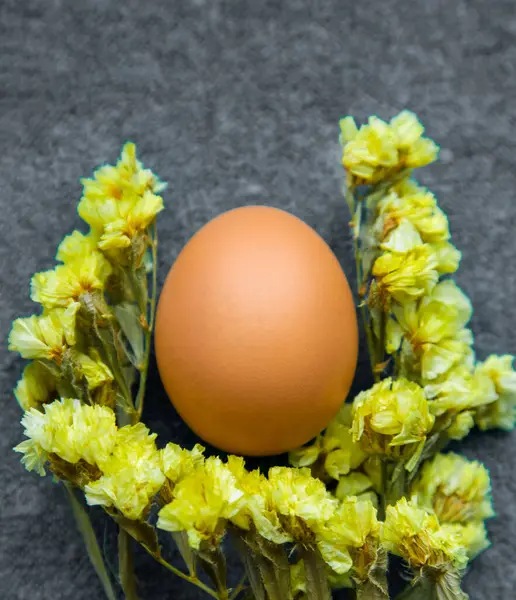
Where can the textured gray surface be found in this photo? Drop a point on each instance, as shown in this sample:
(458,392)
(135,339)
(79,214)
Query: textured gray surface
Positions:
(236,103)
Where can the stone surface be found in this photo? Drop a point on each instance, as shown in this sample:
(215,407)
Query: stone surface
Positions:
(237,103)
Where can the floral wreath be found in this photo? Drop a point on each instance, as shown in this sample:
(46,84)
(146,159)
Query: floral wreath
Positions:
(375,483)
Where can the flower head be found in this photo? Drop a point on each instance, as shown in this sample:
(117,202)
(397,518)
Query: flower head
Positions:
(76,246)
(502,412)
(335,447)
(472,536)
(203,502)
(392,418)
(301,501)
(406,201)
(132,473)
(403,276)
(455,488)
(431,332)
(70,430)
(178,462)
(67,283)
(379,150)
(46,336)
(37,385)
(352,527)
(416,536)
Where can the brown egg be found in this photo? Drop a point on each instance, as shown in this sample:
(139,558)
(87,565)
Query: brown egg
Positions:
(256,332)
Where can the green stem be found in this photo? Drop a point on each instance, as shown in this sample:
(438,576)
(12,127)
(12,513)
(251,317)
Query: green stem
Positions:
(191,579)
(239,588)
(355,207)
(126,566)
(150,327)
(92,546)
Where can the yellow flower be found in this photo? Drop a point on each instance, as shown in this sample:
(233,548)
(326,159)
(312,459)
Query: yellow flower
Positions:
(300,499)
(407,201)
(502,412)
(461,425)
(350,538)
(455,488)
(36,386)
(67,283)
(461,389)
(76,246)
(257,506)
(404,275)
(416,536)
(71,430)
(414,150)
(47,336)
(472,536)
(335,446)
(134,218)
(203,502)
(126,178)
(132,474)
(431,332)
(378,150)
(178,462)
(447,257)
(353,484)
(92,368)
(392,418)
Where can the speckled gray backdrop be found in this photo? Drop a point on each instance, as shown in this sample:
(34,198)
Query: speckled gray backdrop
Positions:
(237,103)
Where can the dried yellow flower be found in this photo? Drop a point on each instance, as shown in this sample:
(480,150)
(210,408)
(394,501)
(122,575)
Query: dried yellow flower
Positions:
(392,418)
(501,413)
(416,536)
(455,488)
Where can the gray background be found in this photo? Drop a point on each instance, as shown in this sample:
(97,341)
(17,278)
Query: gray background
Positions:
(238,103)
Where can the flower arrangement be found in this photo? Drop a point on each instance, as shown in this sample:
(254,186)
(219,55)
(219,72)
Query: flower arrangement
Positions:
(374,484)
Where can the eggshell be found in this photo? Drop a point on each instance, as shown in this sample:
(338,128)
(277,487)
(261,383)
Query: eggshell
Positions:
(256,332)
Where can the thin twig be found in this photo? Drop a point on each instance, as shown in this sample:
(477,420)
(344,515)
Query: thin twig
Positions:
(239,588)
(150,327)
(194,580)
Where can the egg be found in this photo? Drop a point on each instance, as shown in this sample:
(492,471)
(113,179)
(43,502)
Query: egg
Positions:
(256,332)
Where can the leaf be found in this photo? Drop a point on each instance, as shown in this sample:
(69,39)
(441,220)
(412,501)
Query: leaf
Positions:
(187,554)
(142,532)
(249,559)
(317,587)
(448,587)
(128,316)
(92,546)
(126,566)
(214,563)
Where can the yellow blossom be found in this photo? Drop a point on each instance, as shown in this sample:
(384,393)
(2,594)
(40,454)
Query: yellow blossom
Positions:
(350,536)
(472,536)
(36,386)
(67,283)
(126,178)
(300,499)
(134,218)
(431,332)
(392,418)
(71,430)
(257,506)
(353,484)
(461,425)
(502,412)
(203,502)
(404,275)
(46,336)
(76,246)
(132,474)
(378,150)
(455,488)
(416,536)
(178,462)
(409,202)
(335,447)
(91,367)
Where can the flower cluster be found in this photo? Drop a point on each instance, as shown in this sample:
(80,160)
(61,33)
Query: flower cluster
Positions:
(373,483)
